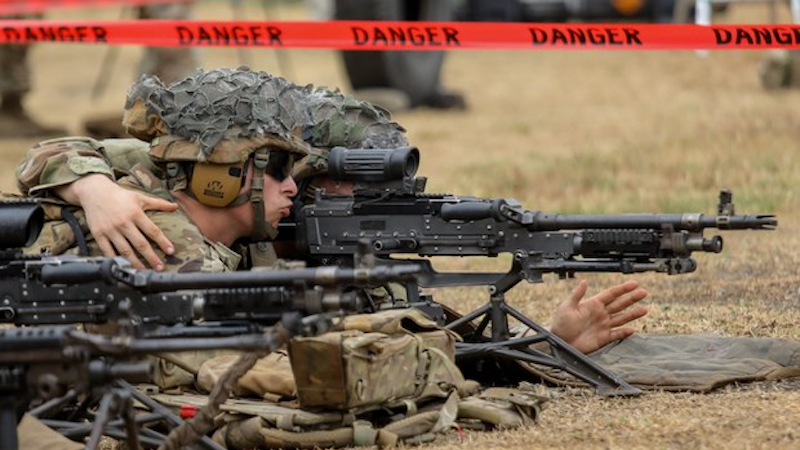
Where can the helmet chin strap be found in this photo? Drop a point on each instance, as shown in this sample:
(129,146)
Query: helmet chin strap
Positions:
(262,229)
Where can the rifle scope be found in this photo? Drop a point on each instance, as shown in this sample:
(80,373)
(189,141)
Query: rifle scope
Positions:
(21,222)
(373,164)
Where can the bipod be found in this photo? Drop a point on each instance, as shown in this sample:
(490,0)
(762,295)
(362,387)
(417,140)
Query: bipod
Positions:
(562,356)
(115,402)
(124,428)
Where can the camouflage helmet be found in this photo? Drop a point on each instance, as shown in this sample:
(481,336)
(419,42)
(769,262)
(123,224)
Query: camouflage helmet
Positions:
(232,148)
(340,120)
(206,127)
(219,116)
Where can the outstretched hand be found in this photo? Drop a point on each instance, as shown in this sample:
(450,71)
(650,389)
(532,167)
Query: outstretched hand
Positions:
(117,220)
(590,323)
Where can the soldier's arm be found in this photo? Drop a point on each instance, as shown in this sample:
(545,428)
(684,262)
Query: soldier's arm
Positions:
(82,172)
(117,219)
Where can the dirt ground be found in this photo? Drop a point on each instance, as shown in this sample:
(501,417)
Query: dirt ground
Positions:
(576,132)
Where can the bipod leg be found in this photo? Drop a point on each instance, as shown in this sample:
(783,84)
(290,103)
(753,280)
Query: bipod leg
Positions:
(567,358)
(499,318)
(13,401)
(171,419)
(562,355)
(8,427)
(100,420)
(52,406)
(116,402)
(129,418)
(463,320)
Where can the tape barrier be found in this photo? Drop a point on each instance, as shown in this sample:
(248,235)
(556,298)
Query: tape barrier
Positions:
(21,7)
(372,35)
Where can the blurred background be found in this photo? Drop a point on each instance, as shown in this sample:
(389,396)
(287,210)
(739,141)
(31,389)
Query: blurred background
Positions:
(581,131)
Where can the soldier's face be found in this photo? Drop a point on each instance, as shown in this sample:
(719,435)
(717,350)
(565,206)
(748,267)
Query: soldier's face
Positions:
(278,198)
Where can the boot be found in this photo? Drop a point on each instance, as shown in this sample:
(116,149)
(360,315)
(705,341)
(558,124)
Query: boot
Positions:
(446,100)
(15,122)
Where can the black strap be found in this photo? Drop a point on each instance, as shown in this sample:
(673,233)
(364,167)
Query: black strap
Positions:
(80,237)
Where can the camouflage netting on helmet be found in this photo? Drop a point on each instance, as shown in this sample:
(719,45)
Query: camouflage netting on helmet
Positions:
(343,121)
(205,105)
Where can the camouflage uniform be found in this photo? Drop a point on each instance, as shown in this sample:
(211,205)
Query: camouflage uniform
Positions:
(217,119)
(71,158)
(324,118)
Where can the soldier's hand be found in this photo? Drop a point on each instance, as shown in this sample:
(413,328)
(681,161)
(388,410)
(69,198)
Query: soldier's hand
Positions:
(117,220)
(590,323)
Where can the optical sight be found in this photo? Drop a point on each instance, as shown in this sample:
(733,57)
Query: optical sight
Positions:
(21,222)
(373,164)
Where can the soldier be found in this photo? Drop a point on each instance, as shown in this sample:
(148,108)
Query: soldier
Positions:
(324,119)
(14,86)
(117,220)
(226,165)
(229,176)
(230,179)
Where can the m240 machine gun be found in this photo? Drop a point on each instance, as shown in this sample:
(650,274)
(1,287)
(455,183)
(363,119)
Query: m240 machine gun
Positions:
(388,207)
(49,358)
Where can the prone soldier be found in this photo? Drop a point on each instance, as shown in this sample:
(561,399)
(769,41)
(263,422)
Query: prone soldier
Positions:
(81,173)
(213,176)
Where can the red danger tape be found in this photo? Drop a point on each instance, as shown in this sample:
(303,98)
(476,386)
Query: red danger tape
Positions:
(371,35)
(21,7)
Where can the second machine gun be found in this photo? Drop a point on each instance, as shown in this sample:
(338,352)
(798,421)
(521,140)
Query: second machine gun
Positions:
(388,207)
(48,357)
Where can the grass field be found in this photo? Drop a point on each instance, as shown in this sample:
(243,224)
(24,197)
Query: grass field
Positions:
(581,132)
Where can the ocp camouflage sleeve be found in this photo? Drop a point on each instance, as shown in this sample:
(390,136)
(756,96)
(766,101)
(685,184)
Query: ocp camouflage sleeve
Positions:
(59,162)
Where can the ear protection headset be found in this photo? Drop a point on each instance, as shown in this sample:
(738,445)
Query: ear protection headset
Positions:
(218,184)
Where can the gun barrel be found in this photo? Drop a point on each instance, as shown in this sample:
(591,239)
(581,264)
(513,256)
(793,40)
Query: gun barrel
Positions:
(690,221)
(322,276)
(148,281)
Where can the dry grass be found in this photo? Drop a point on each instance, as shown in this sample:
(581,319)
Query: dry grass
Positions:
(583,131)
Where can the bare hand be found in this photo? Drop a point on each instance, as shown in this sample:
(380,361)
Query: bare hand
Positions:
(588,324)
(117,220)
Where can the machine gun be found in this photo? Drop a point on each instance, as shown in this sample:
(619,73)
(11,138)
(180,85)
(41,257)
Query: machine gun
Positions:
(389,208)
(48,357)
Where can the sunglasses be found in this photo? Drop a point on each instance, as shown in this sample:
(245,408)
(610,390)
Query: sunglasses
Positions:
(277,164)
